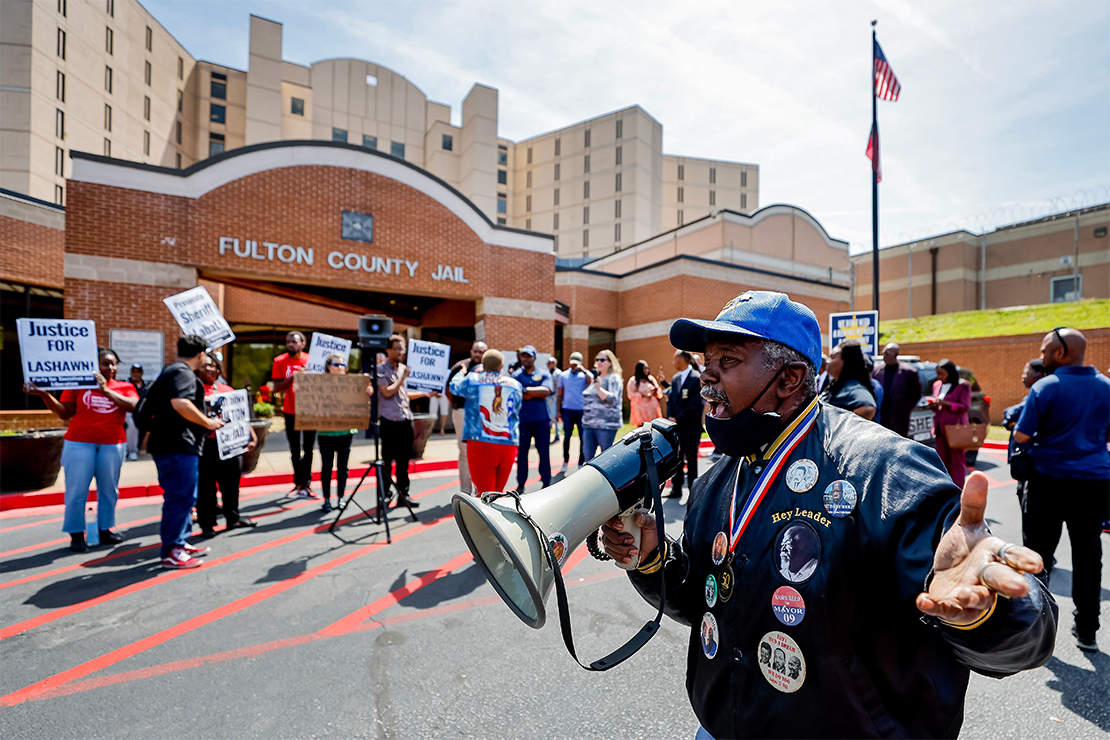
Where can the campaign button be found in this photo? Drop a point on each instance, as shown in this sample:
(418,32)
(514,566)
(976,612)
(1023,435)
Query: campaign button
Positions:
(559,547)
(840,498)
(720,548)
(710,637)
(801,476)
(781,662)
(710,591)
(788,605)
(725,584)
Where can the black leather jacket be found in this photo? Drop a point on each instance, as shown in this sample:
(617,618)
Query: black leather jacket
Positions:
(874,665)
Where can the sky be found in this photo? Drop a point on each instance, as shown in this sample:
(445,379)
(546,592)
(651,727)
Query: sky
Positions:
(1004,113)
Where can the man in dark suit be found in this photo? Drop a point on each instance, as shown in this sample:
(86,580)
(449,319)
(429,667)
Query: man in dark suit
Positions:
(901,391)
(685,408)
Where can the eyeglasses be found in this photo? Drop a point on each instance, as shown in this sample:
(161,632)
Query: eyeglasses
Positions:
(337,364)
(603,359)
(1056,331)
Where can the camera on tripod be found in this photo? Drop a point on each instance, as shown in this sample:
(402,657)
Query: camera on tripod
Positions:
(374,331)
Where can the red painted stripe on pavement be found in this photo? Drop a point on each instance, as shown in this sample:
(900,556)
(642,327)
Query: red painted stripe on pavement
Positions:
(56,614)
(31,524)
(128,651)
(267,647)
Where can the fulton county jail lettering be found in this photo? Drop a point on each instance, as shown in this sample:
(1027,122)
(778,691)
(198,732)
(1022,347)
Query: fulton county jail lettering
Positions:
(268,251)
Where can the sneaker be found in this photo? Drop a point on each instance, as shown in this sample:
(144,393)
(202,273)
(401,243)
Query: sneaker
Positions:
(132,456)
(305,492)
(77,542)
(193,551)
(242,523)
(1086,644)
(207,533)
(178,559)
(326,508)
(404,500)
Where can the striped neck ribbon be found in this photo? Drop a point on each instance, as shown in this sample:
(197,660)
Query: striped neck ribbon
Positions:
(775,458)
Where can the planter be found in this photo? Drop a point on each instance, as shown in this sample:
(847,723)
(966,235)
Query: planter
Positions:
(261,429)
(422,426)
(30,461)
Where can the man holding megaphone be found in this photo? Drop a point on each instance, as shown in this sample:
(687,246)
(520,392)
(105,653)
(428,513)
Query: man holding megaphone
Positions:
(875,612)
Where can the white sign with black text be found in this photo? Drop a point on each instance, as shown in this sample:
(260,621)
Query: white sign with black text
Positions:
(233,408)
(58,353)
(196,313)
(146,348)
(322,346)
(428,367)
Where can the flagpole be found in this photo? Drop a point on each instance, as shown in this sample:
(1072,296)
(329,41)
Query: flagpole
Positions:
(874,181)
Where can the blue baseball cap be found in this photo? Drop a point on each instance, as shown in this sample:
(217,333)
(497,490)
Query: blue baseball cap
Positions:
(528,350)
(758,314)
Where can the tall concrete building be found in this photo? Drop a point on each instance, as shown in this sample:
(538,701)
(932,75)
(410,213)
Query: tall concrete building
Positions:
(104,77)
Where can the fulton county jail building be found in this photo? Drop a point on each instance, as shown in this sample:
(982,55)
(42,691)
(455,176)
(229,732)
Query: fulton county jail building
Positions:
(104,77)
(309,235)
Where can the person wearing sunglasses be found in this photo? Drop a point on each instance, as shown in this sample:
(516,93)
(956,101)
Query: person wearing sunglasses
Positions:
(335,447)
(1066,417)
(601,406)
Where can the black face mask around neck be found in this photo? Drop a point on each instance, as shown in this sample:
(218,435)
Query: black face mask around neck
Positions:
(744,433)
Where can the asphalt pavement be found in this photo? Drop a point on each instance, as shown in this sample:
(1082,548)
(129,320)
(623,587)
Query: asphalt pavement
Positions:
(291,632)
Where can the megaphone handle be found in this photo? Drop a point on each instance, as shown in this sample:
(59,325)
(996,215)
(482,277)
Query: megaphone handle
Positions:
(629,525)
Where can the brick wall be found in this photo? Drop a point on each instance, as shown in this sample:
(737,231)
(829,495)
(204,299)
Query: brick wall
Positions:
(31,253)
(122,306)
(998,361)
(244,306)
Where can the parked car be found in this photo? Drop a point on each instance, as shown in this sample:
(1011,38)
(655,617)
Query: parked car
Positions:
(921,420)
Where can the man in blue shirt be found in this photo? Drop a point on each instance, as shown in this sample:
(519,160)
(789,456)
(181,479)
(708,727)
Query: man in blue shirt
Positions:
(1067,418)
(570,403)
(534,420)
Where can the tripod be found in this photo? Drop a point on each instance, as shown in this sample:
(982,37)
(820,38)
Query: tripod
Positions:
(382,514)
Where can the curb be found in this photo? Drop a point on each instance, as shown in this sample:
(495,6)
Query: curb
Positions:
(54,497)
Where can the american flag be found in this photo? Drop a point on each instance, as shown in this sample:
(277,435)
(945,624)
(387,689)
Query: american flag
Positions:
(886,84)
(873,153)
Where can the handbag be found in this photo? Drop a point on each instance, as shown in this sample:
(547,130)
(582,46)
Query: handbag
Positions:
(965,436)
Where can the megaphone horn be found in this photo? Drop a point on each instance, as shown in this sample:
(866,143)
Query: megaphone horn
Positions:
(509,533)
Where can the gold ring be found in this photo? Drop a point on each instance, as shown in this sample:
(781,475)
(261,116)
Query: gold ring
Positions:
(1002,551)
(984,570)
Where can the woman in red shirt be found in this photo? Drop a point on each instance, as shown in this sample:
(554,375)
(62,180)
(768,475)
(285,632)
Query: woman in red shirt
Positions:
(95,445)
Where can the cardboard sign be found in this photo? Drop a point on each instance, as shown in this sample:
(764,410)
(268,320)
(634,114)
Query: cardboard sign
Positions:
(144,347)
(322,346)
(428,366)
(196,313)
(58,353)
(234,409)
(332,403)
(861,325)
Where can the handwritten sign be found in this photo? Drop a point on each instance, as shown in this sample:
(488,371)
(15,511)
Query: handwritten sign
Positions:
(332,403)
(233,408)
(196,313)
(861,325)
(58,353)
(143,347)
(322,346)
(428,367)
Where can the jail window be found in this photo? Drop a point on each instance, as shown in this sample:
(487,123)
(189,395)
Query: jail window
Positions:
(296,106)
(586,138)
(586,164)
(585,238)
(215,144)
(397,149)
(528,203)
(586,189)
(619,152)
(146,107)
(107,117)
(682,172)
(556,170)
(370,142)
(585,214)
(146,143)
(712,175)
(528,179)
(744,179)
(528,224)
(59,195)
(108,80)
(180,68)
(617,208)
(448,142)
(149,39)
(109,40)
(529,155)
(59,161)
(743,200)
(620,128)
(555,222)
(62,8)
(681,195)
(60,86)
(61,44)
(339,134)
(177,160)
(177,131)
(502,177)
(146,73)
(712,197)
(618,183)
(60,124)
(680,218)
(556,196)
(558,145)
(107,148)
(616,232)
(180,102)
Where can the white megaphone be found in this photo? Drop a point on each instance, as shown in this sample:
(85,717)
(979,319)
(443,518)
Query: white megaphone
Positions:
(509,548)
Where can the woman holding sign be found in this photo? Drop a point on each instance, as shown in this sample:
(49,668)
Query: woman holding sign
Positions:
(212,470)
(95,445)
(335,446)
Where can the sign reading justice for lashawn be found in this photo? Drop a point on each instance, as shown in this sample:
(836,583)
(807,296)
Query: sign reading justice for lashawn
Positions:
(322,346)
(196,313)
(427,363)
(58,353)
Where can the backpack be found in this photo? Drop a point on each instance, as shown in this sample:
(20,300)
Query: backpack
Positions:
(144,414)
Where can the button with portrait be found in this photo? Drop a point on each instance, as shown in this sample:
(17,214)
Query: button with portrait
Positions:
(710,591)
(710,636)
(781,662)
(801,476)
(720,548)
(840,498)
(797,552)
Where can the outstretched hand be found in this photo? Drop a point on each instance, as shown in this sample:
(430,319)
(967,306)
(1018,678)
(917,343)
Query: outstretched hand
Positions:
(967,571)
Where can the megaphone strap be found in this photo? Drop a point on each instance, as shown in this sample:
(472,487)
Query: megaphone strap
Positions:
(649,630)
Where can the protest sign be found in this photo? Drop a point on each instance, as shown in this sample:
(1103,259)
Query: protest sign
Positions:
(58,353)
(861,325)
(196,313)
(233,408)
(332,403)
(144,347)
(322,346)
(428,366)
